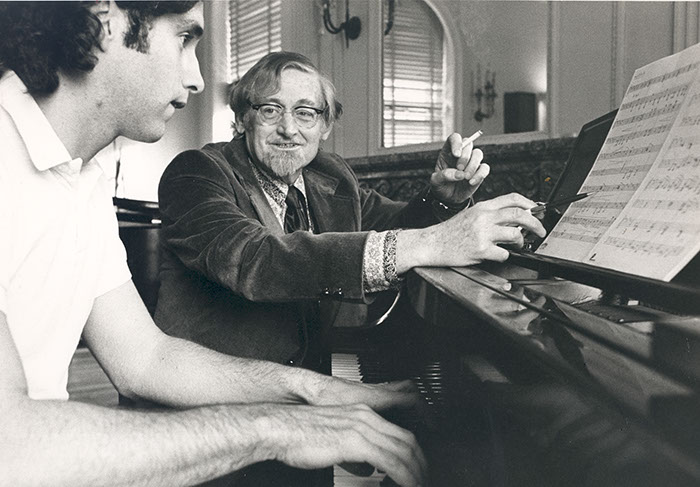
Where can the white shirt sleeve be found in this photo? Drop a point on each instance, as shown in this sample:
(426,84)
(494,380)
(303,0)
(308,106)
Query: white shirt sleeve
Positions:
(5,254)
(115,270)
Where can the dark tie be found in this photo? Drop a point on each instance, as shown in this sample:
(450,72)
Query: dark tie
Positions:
(296,217)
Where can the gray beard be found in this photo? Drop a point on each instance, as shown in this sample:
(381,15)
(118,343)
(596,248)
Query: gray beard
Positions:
(283,165)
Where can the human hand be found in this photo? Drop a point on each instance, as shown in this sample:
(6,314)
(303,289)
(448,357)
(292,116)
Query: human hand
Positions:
(316,437)
(386,395)
(459,171)
(471,236)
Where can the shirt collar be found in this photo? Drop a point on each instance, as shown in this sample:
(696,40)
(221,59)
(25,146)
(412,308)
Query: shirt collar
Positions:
(43,145)
(275,188)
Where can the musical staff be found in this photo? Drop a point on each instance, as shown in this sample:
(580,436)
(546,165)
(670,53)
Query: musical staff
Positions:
(574,236)
(622,170)
(639,248)
(663,78)
(631,152)
(646,179)
(612,187)
(672,94)
(686,163)
(675,206)
(630,137)
(651,114)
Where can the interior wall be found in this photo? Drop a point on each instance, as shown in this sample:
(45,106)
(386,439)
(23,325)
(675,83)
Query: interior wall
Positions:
(596,47)
(509,38)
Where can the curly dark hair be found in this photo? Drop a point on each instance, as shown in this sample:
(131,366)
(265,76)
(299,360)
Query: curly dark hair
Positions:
(41,38)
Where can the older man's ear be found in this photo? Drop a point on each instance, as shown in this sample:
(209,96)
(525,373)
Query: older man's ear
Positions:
(327,131)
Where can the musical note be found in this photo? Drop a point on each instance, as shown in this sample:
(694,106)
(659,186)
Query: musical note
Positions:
(646,179)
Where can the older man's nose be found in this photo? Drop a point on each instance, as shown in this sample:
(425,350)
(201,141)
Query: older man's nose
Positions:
(287,124)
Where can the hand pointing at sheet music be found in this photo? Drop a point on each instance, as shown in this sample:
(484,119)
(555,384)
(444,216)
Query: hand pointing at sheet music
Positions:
(471,236)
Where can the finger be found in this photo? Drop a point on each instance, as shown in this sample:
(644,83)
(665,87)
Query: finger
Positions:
(496,254)
(391,449)
(385,396)
(507,235)
(518,217)
(481,174)
(470,161)
(533,225)
(464,155)
(400,386)
(448,175)
(404,438)
(324,436)
(509,200)
(455,142)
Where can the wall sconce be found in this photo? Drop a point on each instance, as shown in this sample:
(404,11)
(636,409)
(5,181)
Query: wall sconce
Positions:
(390,16)
(352,25)
(484,94)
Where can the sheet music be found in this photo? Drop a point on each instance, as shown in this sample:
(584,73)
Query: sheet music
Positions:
(643,217)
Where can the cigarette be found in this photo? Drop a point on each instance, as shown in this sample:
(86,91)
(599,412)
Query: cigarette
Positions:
(475,136)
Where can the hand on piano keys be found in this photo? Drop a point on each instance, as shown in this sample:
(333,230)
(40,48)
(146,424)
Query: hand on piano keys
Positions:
(315,437)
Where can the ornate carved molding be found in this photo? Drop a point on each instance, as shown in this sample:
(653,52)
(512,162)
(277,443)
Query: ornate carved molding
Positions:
(530,168)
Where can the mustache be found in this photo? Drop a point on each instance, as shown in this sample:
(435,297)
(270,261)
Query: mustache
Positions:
(291,141)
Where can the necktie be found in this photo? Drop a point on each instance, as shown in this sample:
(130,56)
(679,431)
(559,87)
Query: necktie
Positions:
(296,217)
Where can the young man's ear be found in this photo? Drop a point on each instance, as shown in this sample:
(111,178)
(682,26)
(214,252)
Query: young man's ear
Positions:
(239,126)
(105,10)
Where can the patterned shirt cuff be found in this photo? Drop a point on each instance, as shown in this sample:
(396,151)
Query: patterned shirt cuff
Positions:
(379,265)
(390,275)
(373,263)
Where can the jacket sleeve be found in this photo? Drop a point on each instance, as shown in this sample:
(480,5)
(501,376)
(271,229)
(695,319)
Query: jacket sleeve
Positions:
(380,213)
(211,227)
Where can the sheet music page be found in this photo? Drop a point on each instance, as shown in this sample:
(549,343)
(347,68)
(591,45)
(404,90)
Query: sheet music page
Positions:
(658,232)
(646,116)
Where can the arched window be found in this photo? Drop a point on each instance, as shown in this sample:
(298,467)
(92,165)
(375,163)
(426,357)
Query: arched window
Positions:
(413,75)
(254,29)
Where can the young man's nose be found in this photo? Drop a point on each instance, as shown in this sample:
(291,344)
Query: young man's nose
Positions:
(192,79)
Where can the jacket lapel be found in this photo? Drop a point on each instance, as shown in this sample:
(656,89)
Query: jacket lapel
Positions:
(332,212)
(237,155)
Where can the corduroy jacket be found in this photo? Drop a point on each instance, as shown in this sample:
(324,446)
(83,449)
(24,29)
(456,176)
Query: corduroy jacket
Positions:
(232,280)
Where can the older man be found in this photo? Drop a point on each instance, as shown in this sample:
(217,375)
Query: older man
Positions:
(267,235)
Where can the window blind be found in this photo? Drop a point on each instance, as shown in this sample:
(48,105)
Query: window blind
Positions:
(254,29)
(412,65)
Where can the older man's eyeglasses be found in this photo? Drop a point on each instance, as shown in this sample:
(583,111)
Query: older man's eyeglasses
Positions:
(271,113)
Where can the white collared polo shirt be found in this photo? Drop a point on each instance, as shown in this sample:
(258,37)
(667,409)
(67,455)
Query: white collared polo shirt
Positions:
(59,241)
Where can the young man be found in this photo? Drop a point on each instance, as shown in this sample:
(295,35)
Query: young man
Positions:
(237,277)
(74,77)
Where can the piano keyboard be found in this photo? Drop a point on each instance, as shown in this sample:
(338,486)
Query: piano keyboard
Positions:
(370,368)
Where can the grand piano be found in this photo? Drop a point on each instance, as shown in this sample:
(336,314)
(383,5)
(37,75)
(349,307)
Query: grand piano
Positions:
(534,379)
(532,372)
(543,372)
